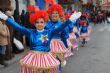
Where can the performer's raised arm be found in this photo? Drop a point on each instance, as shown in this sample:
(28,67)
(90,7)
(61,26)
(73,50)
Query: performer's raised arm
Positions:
(14,24)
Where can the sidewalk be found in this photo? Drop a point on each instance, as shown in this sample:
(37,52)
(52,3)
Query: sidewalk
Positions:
(13,60)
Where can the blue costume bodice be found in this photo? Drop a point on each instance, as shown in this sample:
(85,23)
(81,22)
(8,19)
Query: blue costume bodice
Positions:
(53,25)
(62,35)
(83,29)
(39,40)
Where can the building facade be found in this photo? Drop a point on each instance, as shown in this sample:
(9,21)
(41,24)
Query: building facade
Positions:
(22,4)
(106,5)
(71,4)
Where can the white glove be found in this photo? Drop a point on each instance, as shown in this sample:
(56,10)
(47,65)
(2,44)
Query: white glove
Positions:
(18,44)
(75,16)
(3,16)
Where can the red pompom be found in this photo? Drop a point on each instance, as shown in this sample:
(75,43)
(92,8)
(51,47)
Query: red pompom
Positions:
(56,7)
(38,14)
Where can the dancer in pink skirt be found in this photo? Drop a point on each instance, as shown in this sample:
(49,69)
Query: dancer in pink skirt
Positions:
(57,45)
(85,29)
(74,38)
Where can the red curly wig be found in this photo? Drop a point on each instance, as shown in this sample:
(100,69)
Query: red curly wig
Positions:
(67,15)
(39,14)
(82,22)
(56,7)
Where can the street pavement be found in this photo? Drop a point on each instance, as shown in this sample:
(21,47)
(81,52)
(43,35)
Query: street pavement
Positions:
(93,58)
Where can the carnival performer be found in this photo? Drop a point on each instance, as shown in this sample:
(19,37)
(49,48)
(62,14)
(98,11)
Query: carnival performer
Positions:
(68,30)
(58,42)
(57,46)
(85,28)
(39,59)
(73,36)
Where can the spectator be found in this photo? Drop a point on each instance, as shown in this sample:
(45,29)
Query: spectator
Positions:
(9,49)
(4,41)
(22,17)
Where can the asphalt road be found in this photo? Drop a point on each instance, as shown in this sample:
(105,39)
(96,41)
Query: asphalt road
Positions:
(95,56)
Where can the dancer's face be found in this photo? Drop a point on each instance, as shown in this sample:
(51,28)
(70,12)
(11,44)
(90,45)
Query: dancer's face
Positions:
(40,24)
(55,16)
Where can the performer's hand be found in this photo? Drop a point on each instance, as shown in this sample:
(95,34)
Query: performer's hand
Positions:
(3,16)
(75,16)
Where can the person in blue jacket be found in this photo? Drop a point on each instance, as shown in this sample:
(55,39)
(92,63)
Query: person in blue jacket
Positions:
(39,58)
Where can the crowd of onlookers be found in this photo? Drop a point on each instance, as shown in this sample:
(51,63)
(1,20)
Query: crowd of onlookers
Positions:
(7,34)
(98,17)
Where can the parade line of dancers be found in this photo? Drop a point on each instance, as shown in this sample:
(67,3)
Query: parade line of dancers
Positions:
(56,37)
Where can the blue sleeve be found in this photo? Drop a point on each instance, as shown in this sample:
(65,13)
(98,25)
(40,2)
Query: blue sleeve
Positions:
(18,27)
(70,26)
(61,28)
(77,24)
(65,42)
